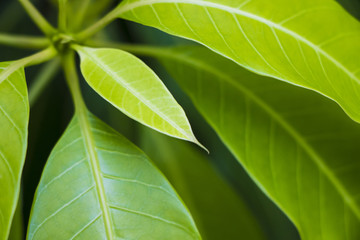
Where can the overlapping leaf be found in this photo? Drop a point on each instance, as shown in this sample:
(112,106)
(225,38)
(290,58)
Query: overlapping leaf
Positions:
(298,146)
(97,185)
(219,211)
(314,44)
(14,117)
(132,87)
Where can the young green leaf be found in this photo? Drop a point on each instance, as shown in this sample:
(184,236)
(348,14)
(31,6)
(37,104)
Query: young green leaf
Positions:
(314,44)
(298,146)
(132,87)
(97,185)
(14,117)
(220,213)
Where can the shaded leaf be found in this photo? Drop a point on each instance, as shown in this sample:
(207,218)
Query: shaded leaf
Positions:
(132,87)
(314,44)
(220,213)
(14,117)
(97,185)
(299,147)
(17,226)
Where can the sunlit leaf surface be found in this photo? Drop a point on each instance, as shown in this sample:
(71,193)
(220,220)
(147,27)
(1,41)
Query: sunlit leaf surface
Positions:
(311,43)
(97,185)
(298,146)
(219,211)
(14,117)
(131,86)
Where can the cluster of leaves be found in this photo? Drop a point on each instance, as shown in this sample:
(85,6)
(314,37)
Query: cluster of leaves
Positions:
(299,147)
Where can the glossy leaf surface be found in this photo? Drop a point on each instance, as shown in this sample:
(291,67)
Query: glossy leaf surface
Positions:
(14,117)
(132,87)
(311,43)
(299,147)
(220,213)
(97,185)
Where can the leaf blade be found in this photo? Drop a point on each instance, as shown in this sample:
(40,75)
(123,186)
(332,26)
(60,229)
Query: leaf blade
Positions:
(128,178)
(285,138)
(14,116)
(197,180)
(281,42)
(135,90)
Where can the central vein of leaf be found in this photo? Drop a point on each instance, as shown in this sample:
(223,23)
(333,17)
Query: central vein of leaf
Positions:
(95,168)
(82,114)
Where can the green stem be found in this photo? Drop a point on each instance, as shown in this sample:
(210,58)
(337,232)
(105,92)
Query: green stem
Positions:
(37,58)
(43,79)
(68,62)
(141,50)
(36,16)
(62,21)
(78,19)
(103,22)
(22,41)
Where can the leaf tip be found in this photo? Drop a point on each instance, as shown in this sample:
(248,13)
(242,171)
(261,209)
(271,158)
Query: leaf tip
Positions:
(200,145)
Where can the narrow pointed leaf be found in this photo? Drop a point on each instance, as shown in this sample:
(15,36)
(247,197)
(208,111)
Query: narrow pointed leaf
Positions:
(14,117)
(314,44)
(219,211)
(97,185)
(127,83)
(298,146)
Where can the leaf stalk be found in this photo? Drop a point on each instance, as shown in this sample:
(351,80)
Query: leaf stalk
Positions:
(137,49)
(99,25)
(34,59)
(23,41)
(72,79)
(38,19)
(62,21)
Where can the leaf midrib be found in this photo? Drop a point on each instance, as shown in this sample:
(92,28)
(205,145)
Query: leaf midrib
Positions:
(95,168)
(317,48)
(348,200)
(108,71)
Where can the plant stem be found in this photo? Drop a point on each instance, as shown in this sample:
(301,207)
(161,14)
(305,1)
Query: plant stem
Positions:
(43,79)
(90,31)
(37,58)
(22,41)
(78,19)
(36,16)
(62,21)
(142,50)
(68,62)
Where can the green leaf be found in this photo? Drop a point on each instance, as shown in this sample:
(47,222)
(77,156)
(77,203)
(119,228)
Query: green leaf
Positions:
(14,117)
(134,88)
(299,147)
(17,225)
(220,213)
(314,44)
(97,185)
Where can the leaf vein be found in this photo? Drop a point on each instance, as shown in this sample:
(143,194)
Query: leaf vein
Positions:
(59,210)
(148,215)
